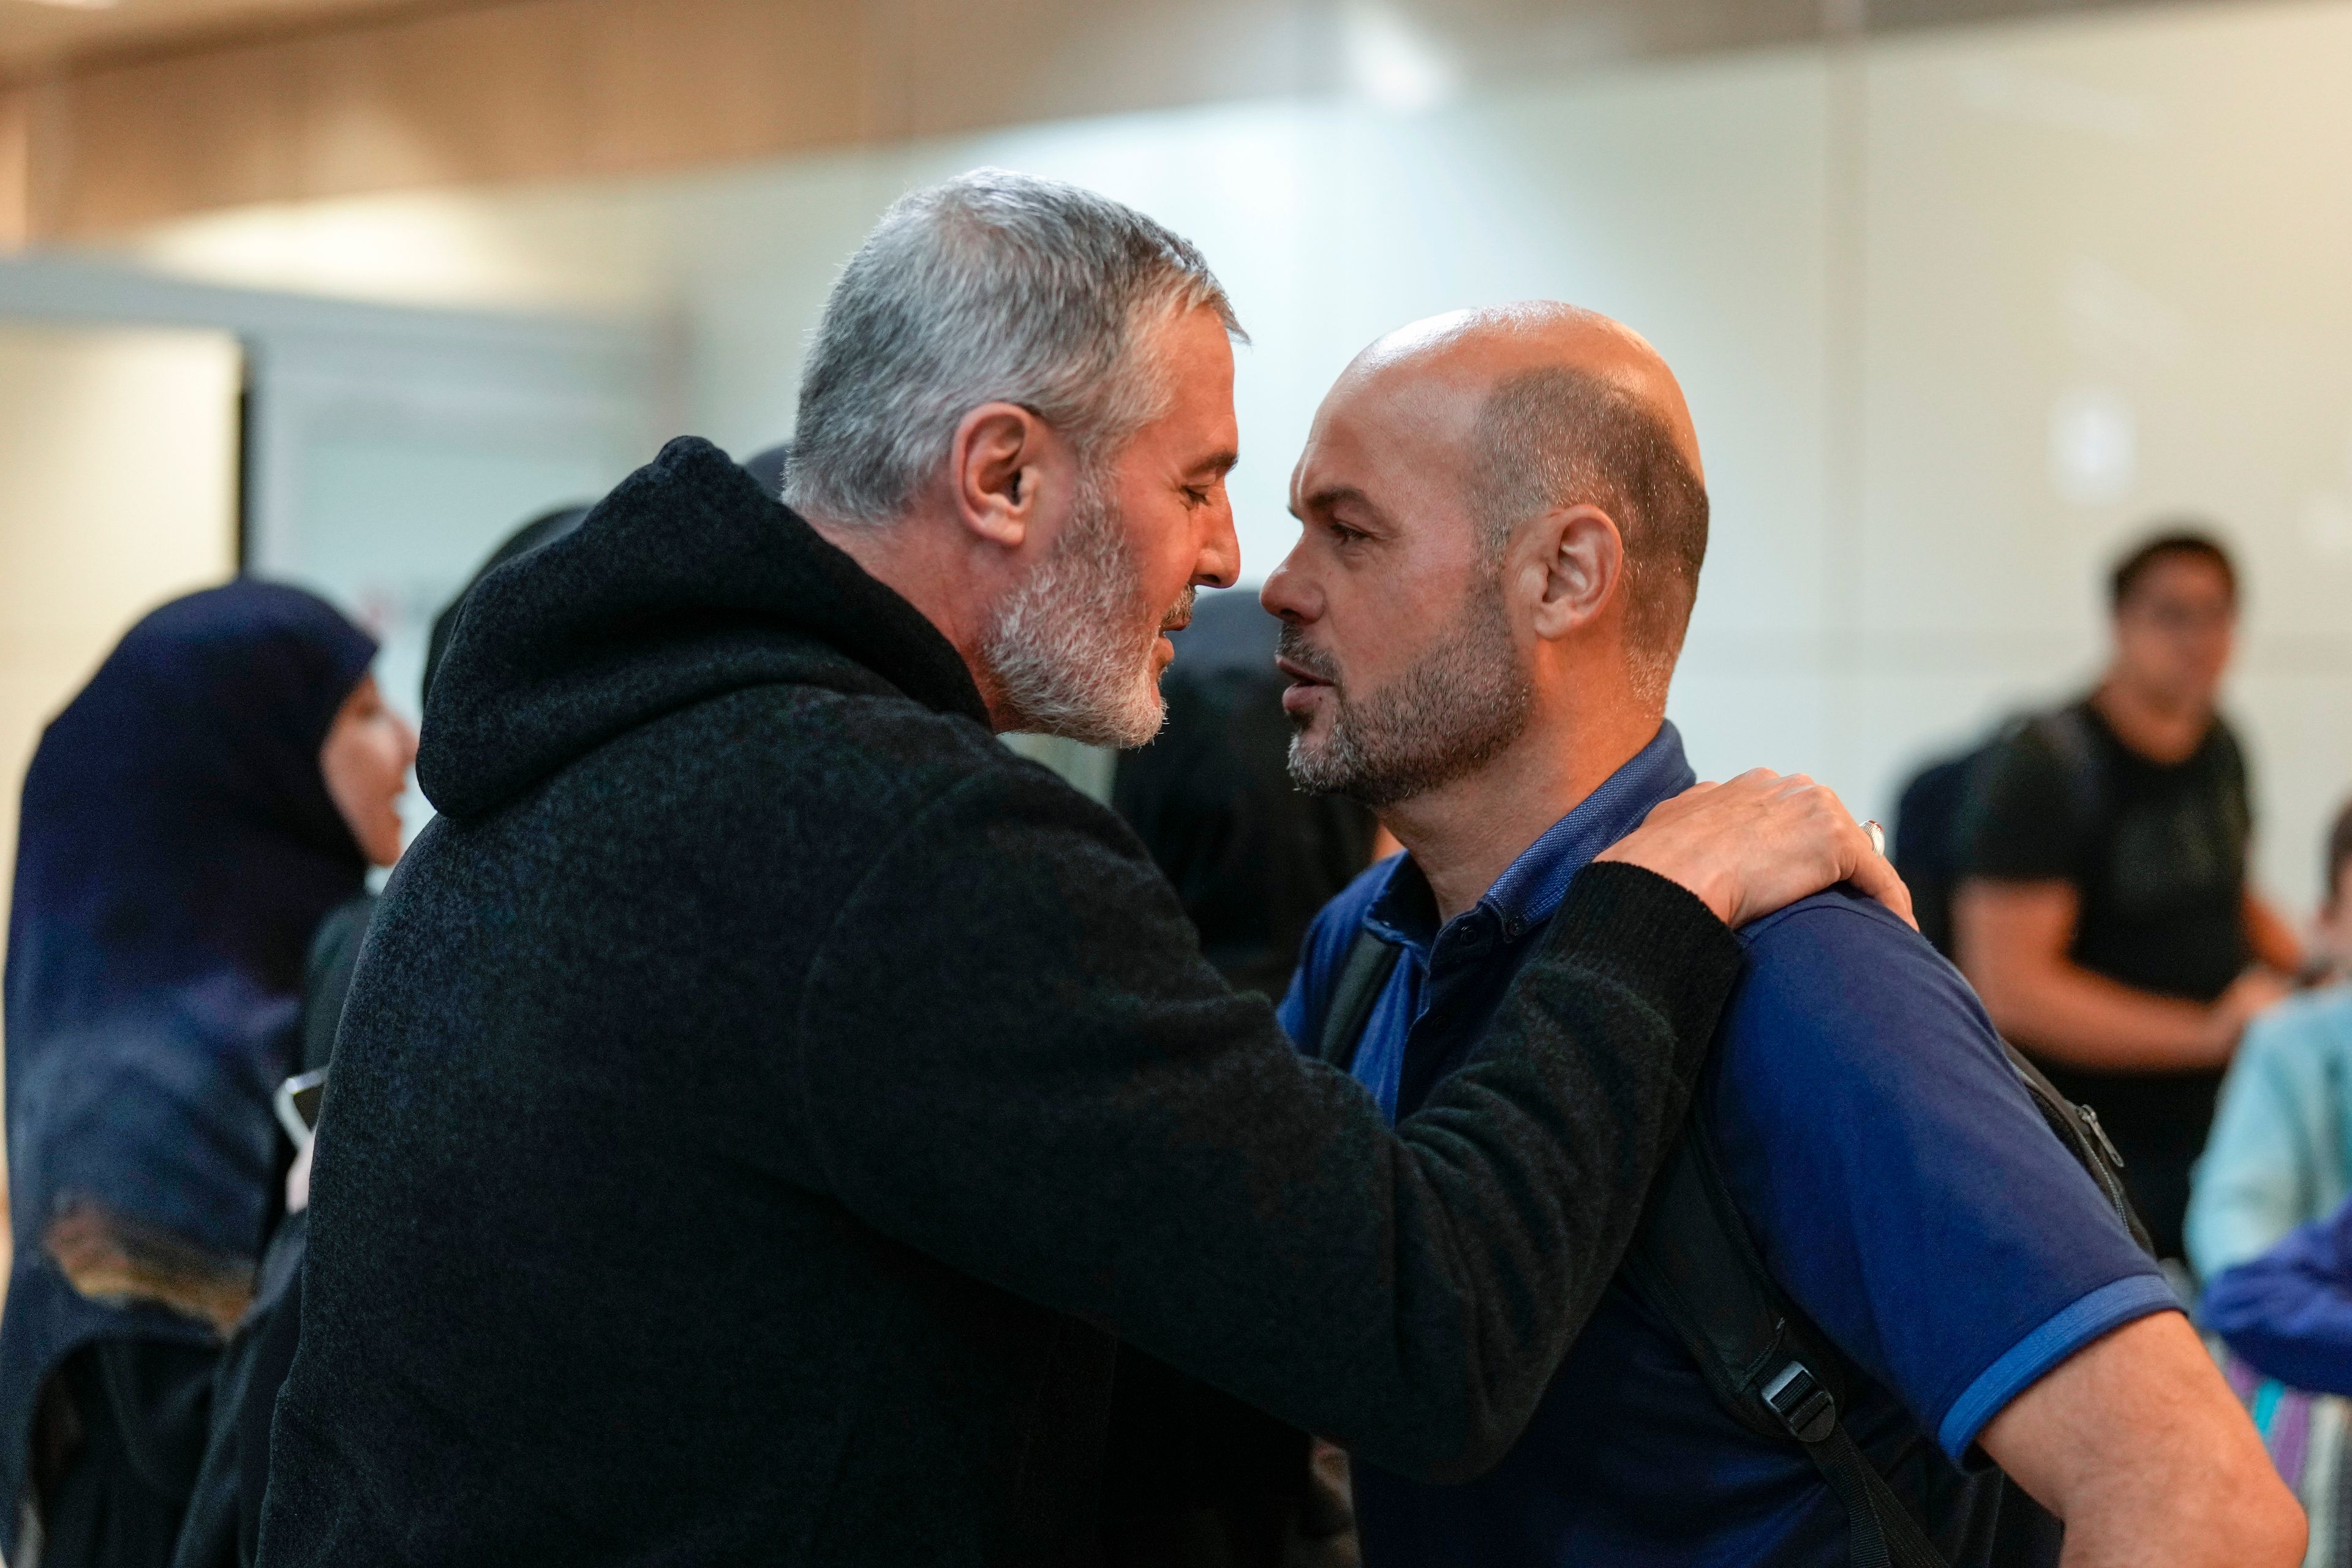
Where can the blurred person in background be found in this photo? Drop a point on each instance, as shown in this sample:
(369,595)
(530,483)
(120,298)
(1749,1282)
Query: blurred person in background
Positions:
(222,1529)
(823,1092)
(2103,912)
(220,786)
(2287,1311)
(2281,1154)
(2281,1321)
(1504,518)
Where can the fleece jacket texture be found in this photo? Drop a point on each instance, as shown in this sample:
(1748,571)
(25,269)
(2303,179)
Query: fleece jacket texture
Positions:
(764,1103)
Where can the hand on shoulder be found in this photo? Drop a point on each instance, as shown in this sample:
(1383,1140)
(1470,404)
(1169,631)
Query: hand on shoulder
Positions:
(1758,844)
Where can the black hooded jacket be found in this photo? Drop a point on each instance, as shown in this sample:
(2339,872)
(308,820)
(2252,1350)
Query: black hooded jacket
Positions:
(764,1100)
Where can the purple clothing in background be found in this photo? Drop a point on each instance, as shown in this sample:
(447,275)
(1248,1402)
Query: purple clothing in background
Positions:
(2289,1313)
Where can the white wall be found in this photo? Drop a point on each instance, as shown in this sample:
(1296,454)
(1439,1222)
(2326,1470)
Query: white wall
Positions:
(2135,239)
(1956,312)
(386,450)
(118,491)
(387,471)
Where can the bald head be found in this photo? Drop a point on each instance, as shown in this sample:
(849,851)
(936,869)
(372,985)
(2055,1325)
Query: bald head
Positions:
(1541,406)
(1468,355)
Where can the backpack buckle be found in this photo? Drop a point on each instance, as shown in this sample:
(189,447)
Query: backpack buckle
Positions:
(1804,1406)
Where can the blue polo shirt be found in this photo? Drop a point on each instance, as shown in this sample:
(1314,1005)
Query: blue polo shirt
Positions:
(1897,1179)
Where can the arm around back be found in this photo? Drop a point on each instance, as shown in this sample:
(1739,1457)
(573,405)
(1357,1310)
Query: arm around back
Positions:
(1011,1056)
(2137,1444)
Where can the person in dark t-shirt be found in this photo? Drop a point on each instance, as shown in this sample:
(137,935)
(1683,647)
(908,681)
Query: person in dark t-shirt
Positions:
(2105,915)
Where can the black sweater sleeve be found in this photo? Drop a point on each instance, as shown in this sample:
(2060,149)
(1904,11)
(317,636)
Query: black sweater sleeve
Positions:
(1012,1058)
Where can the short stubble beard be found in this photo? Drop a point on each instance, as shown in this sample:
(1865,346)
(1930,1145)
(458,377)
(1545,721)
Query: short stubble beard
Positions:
(1071,648)
(1453,711)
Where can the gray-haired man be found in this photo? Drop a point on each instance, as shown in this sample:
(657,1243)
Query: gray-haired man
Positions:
(764,1103)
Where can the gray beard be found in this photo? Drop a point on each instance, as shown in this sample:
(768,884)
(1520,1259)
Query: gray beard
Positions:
(1068,650)
(1458,708)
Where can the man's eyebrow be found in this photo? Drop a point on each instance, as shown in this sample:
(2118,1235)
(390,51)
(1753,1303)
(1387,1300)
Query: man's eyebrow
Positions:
(1218,464)
(1332,497)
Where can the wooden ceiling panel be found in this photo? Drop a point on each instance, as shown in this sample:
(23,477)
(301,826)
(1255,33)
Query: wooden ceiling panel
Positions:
(210,131)
(160,108)
(760,74)
(955,64)
(489,94)
(35,34)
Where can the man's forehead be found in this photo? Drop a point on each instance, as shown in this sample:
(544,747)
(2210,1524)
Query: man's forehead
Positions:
(2184,575)
(1382,420)
(1198,352)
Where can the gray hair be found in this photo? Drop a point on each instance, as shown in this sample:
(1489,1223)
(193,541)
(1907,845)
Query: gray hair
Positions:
(988,288)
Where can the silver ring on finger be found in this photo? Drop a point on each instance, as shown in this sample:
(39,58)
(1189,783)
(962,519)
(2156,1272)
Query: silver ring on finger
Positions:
(1877,836)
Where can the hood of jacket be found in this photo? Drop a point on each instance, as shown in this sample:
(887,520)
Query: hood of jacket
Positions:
(685,583)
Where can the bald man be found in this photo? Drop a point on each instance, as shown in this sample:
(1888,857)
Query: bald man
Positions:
(1504,521)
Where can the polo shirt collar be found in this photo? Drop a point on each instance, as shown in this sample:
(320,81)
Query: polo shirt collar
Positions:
(1531,888)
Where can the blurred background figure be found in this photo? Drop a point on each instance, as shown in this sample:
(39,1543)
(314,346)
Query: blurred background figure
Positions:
(2104,913)
(2280,1155)
(1252,856)
(2287,1311)
(222,1527)
(220,785)
(2282,1324)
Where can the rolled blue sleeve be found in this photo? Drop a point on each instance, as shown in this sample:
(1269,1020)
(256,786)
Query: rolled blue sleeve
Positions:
(2024,1364)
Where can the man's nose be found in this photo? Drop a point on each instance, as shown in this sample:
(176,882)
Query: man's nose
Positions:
(1285,593)
(1220,561)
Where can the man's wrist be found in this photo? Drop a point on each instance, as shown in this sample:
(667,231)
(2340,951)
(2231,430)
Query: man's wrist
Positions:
(1705,882)
(1629,924)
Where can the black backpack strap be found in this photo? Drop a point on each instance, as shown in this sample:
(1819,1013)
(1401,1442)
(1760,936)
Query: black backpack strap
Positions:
(2077,1127)
(1366,969)
(1695,1263)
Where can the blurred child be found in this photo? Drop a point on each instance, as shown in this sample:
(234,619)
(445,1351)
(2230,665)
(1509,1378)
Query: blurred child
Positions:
(2281,1154)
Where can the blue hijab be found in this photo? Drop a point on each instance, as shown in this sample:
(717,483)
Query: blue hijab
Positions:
(177,849)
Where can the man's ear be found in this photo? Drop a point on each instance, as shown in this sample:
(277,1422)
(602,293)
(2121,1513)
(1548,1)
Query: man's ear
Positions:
(994,465)
(1581,557)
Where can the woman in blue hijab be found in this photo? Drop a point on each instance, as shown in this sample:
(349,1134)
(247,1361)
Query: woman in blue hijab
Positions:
(220,785)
